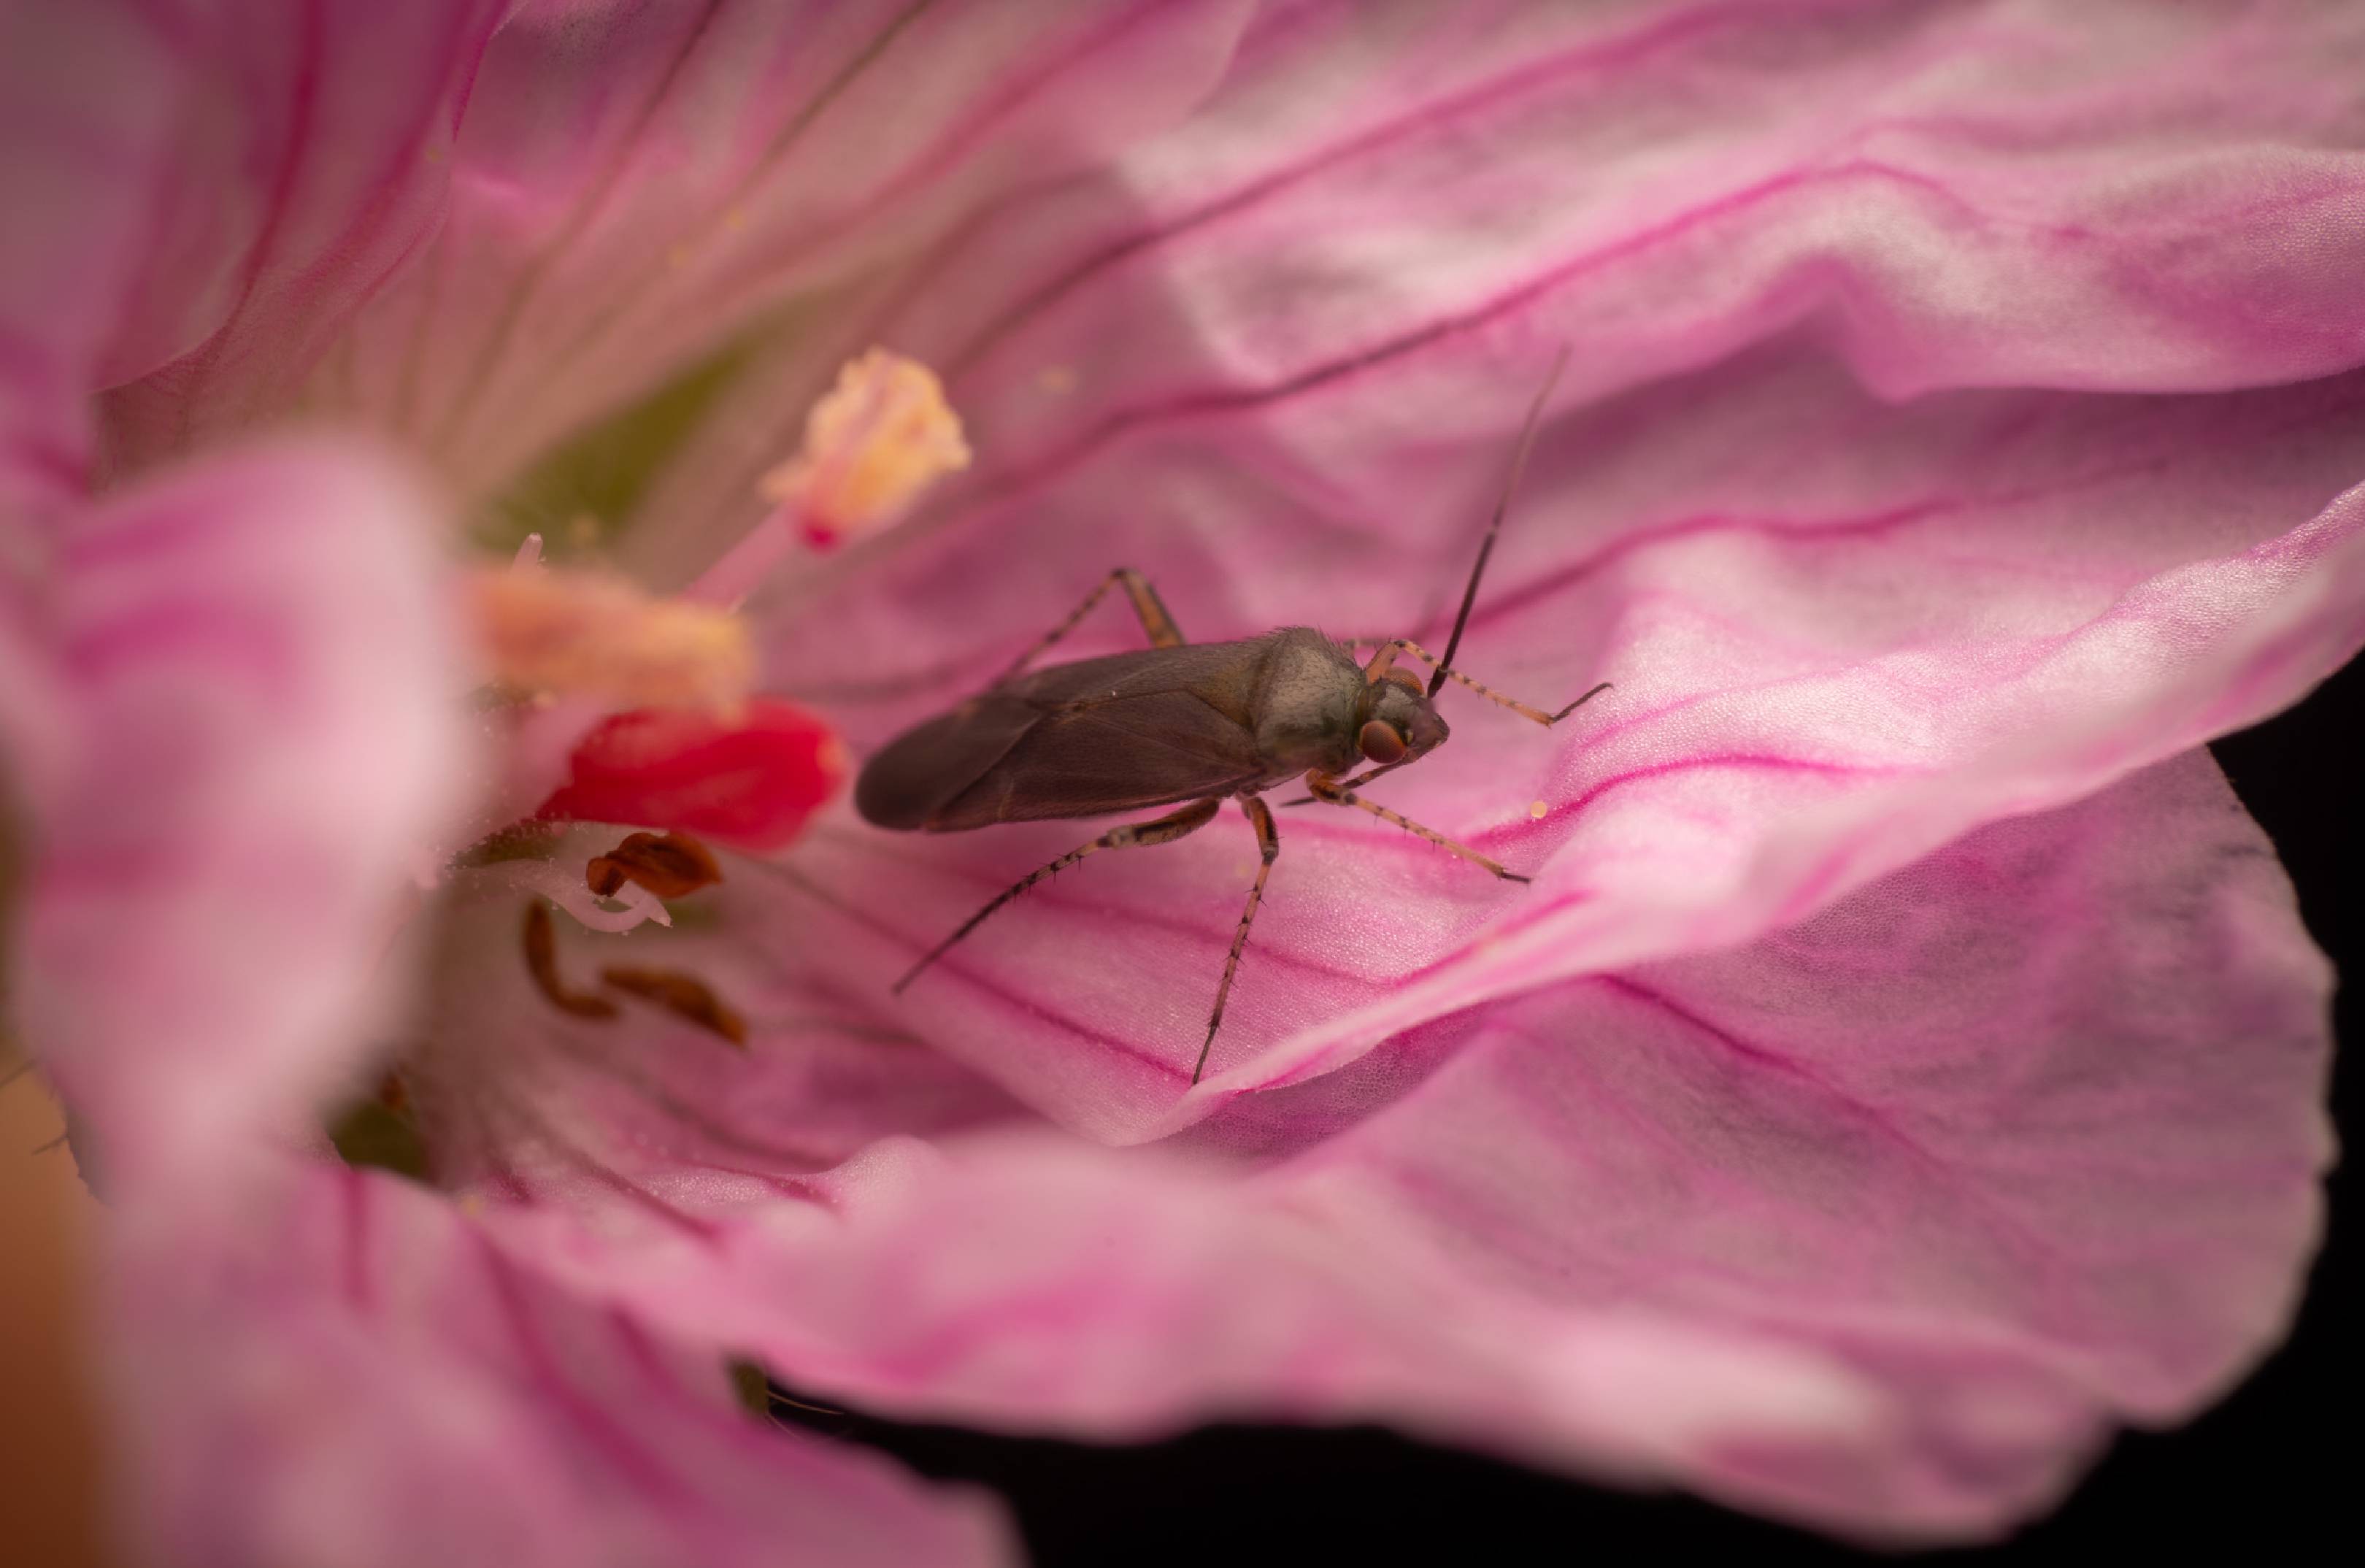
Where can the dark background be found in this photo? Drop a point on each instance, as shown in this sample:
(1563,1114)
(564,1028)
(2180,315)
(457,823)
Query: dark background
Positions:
(2264,1475)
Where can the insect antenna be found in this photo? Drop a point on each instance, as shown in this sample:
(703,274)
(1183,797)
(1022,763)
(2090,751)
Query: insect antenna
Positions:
(1502,505)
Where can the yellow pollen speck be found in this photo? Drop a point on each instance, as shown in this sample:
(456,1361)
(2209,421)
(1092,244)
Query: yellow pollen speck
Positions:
(735,218)
(883,435)
(677,256)
(583,531)
(1055,379)
(1537,808)
(546,631)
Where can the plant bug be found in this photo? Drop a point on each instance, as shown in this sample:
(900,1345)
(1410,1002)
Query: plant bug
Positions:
(1178,721)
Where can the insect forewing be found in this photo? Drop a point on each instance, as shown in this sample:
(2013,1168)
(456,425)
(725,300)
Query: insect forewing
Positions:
(922,769)
(1108,734)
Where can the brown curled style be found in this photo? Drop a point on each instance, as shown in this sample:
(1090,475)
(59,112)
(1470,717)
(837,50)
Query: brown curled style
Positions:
(668,865)
(685,996)
(541,939)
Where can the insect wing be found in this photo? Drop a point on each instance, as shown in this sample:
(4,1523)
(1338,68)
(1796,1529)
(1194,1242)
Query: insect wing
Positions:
(924,769)
(1106,734)
(1115,755)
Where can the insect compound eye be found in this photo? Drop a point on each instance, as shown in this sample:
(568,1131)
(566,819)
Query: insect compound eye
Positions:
(1404,679)
(1380,741)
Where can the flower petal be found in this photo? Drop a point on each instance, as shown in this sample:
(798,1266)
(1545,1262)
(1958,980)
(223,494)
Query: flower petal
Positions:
(1877,1224)
(254,660)
(2078,195)
(88,93)
(368,1381)
(306,161)
(2092,195)
(515,1096)
(634,186)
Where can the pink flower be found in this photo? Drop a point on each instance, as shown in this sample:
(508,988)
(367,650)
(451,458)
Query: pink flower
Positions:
(1905,1066)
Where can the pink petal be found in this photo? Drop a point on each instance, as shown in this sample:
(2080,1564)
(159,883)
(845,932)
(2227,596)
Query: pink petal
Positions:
(87,90)
(523,1100)
(2059,193)
(32,737)
(1880,1223)
(253,661)
(633,186)
(368,1381)
(2096,196)
(305,161)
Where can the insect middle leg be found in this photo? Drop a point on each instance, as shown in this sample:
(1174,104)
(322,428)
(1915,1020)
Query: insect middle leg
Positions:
(1132,836)
(1151,609)
(1330,791)
(1387,656)
(1259,817)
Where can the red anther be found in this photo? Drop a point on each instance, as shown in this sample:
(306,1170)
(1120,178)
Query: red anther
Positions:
(750,782)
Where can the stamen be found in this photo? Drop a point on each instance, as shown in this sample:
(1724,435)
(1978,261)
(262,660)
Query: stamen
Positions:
(669,866)
(883,435)
(542,962)
(872,444)
(592,635)
(686,996)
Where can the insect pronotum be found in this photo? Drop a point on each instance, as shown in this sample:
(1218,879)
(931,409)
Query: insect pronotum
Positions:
(1194,723)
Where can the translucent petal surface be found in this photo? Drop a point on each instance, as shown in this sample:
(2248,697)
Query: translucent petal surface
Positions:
(1879,1222)
(635,187)
(303,160)
(368,1381)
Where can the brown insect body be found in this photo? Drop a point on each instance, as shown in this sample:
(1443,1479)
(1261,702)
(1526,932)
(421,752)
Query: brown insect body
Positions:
(1143,729)
(1180,724)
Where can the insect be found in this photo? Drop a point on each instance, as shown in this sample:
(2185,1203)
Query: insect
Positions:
(1195,723)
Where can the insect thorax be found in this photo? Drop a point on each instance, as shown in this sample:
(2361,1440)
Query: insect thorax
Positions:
(1306,702)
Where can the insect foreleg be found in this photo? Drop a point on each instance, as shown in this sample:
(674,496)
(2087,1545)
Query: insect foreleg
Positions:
(1132,836)
(1387,656)
(1156,623)
(1259,817)
(1328,790)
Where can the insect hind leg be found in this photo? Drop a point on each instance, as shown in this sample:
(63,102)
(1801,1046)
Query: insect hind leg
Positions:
(1259,817)
(1156,622)
(1132,836)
